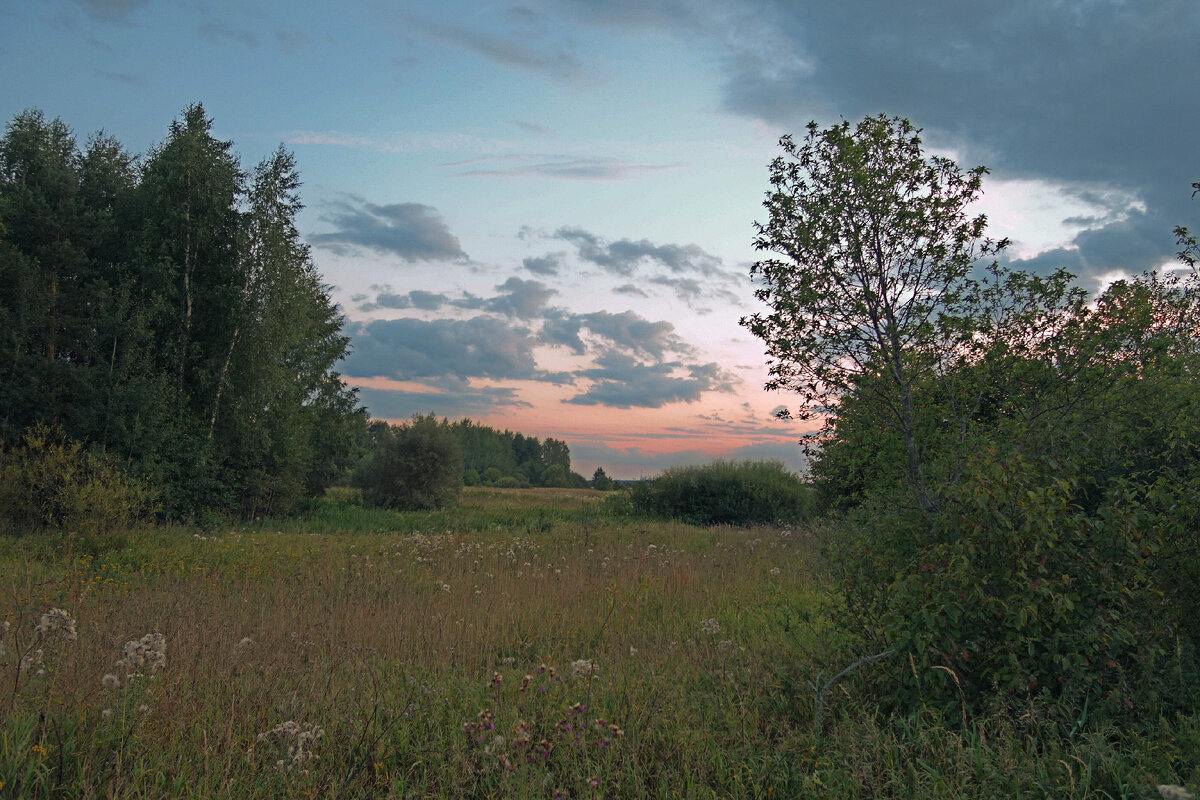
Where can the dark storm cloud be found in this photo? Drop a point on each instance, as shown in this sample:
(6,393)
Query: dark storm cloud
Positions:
(619,381)
(623,256)
(1085,92)
(543,265)
(409,231)
(446,352)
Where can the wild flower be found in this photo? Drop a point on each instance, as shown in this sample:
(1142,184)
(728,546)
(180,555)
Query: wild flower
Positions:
(725,644)
(584,668)
(148,654)
(33,660)
(710,626)
(57,621)
(300,742)
(775,572)
(110,681)
(244,645)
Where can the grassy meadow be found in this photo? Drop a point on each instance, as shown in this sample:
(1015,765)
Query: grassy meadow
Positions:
(528,643)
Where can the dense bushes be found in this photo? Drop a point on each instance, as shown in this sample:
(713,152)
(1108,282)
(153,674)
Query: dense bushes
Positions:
(415,465)
(741,493)
(52,482)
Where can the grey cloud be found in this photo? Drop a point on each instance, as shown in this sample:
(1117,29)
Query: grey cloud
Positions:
(418,298)
(217,32)
(292,41)
(410,231)
(635,333)
(110,10)
(123,77)
(557,166)
(623,256)
(460,402)
(522,48)
(520,298)
(619,381)
(529,127)
(1089,92)
(630,289)
(544,265)
(448,352)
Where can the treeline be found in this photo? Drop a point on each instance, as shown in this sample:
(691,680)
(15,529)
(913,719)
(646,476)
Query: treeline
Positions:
(163,311)
(506,459)
(426,461)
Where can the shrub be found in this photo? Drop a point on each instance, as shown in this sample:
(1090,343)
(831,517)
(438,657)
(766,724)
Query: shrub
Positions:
(51,482)
(412,466)
(1021,596)
(732,493)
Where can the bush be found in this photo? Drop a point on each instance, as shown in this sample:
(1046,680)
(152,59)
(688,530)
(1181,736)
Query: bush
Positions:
(412,466)
(51,482)
(726,493)
(1021,596)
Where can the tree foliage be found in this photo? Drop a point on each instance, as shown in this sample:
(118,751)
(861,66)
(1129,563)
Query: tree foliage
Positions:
(166,312)
(1018,463)
(874,249)
(416,465)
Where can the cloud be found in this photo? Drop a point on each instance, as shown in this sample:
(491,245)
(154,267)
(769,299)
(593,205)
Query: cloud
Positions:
(215,32)
(559,167)
(110,10)
(529,127)
(635,333)
(445,352)
(1092,92)
(619,381)
(630,289)
(417,298)
(520,298)
(460,402)
(523,47)
(409,231)
(292,41)
(123,77)
(623,256)
(544,265)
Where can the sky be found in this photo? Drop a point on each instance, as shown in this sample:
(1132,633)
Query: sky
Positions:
(540,214)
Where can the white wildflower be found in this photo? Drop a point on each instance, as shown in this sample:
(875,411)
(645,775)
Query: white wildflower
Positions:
(143,709)
(107,713)
(299,740)
(774,572)
(33,660)
(725,644)
(244,644)
(110,681)
(148,654)
(710,626)
(55,621)
(584,668)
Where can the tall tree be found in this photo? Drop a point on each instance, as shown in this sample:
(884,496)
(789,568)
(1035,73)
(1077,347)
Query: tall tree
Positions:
(874,249)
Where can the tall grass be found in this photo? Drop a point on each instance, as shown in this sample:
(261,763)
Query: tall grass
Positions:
(520,649)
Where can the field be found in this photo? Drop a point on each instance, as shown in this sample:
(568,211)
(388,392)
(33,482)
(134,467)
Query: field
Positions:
(534,643)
